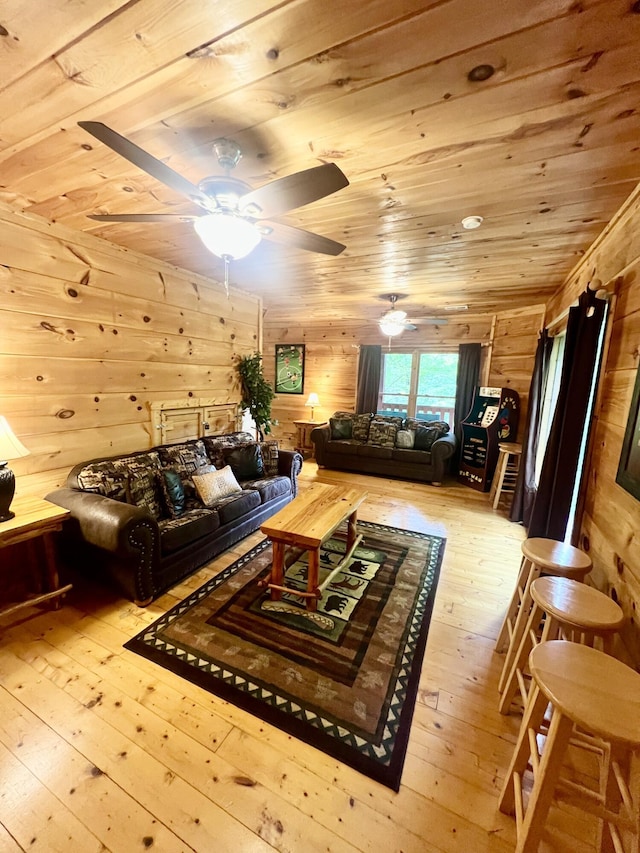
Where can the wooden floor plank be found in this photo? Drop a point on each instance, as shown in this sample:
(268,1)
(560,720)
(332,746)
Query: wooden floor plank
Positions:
(200,772)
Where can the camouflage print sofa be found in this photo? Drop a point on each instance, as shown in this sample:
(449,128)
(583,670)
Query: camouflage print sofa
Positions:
(141,520)
(385,445)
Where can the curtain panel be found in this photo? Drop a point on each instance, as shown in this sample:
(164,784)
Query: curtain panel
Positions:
(369,373)
(466,384)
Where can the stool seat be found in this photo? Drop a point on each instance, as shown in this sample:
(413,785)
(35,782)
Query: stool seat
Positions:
(558,558)
(577,605)
(598,692)
(566,609)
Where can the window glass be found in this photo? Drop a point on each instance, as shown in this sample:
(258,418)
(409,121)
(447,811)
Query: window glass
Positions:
(419,385)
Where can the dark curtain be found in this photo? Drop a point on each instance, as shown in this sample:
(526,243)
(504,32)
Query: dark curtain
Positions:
(466,385)
(552,504)
(525,491)
(369,369)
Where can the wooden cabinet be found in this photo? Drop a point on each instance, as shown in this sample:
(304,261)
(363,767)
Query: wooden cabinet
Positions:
(305,428)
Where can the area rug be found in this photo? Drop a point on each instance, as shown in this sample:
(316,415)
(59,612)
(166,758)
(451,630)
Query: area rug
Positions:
(343,679)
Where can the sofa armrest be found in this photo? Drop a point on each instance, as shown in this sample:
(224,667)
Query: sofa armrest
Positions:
(320,437)
(290,465)
(127,532)
(442,450)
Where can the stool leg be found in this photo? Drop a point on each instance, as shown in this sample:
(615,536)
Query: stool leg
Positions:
(544,783)
(503,637)
(503,470)
(524,609)
(520,661)
(533,717)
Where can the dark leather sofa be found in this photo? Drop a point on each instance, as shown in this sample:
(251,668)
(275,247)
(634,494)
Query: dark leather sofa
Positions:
(361,453)
(141,548)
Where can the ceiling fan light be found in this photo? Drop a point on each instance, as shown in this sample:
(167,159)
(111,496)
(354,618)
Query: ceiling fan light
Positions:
(227,235)
(395,316)
(391,328)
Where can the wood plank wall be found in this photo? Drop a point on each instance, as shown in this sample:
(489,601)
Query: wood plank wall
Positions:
(332,360)
(513,349)
(612,516)
(91,334)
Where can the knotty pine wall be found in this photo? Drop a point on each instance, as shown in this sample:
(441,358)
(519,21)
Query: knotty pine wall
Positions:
(91,333)
(332,360)
(611,524)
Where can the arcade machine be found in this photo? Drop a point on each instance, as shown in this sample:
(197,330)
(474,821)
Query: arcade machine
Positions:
(493,419)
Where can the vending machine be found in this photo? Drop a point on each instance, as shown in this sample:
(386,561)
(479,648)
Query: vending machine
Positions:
(493,418)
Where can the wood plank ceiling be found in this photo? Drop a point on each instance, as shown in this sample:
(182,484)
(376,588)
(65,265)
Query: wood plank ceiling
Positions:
(545,149)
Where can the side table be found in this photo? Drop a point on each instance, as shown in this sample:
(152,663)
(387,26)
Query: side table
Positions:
(305,445)
(36,519)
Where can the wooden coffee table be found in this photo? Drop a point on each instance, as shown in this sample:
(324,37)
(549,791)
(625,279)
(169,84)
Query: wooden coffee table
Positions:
(307,522)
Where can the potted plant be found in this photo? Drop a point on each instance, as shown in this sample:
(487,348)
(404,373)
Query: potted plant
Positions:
(257,393)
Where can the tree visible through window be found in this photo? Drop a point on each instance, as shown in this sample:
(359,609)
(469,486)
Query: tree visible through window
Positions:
(419,385)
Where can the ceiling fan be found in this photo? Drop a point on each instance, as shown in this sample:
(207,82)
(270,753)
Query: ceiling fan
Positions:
(395,321)
(232,215)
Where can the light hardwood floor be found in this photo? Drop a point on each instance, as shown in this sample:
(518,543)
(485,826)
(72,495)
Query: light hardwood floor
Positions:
(101,749)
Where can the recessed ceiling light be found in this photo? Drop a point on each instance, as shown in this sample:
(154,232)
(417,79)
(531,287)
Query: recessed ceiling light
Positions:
(470,222)
(456,308)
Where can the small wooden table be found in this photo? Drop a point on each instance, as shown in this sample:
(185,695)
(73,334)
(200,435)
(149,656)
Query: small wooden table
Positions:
(34,519)
(305,428)
(307,522)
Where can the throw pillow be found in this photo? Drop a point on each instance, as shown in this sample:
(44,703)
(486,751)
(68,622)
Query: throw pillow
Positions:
(216,485)
(361,423)
(382,433)
(405,438)
(270,457)
(425,436)
(172,493)
(245,461)
(340,427)
(142,491)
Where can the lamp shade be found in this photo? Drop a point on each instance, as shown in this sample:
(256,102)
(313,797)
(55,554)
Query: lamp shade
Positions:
(227,235)
(10,446)
(391,328)
(312,400)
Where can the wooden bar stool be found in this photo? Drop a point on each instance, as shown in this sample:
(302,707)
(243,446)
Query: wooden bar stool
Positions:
(598,696)
(504,479)
(540,556)
(567,610)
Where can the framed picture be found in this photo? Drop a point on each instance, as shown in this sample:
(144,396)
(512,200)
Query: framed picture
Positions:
(629,468)
(289,369)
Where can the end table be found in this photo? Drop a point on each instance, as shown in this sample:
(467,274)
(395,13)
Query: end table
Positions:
(36,519)
(305,445)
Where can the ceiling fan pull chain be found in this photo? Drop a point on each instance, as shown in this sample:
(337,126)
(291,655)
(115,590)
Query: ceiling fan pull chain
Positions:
(226,274)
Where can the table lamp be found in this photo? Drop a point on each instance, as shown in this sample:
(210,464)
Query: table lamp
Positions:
(10,448)
(312,402)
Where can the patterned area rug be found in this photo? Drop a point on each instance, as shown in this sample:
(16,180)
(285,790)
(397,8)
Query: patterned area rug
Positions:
(343,679)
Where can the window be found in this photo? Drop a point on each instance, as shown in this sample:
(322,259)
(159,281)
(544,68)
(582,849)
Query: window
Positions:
(419,385)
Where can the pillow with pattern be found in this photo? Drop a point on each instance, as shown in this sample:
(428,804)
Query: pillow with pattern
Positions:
(382,433)
(215,485)
(361,424)
(270,457)
(142,491)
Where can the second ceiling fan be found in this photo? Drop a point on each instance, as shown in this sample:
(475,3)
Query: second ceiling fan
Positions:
(232,218)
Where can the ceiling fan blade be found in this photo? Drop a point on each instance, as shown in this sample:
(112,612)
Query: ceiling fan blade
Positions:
(293,191)
(141,217)
(299,239)
(149,164)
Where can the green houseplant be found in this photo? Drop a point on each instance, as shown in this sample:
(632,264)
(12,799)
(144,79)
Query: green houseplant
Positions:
(257,393)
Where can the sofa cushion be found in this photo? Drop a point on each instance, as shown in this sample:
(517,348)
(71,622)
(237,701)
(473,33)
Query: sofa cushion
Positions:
(185,459)
(270,457)
(389,419)
(405,438)
(103,478)
(382,433)
(425,436)
(175,533)
(216,485)
(340,427)
(245,461)
(215,444)
(143,491)
(415,457)
(415,423)
(269,487)
(361,424)
(238,504)
(374,451)
(172,493)
(345,446)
